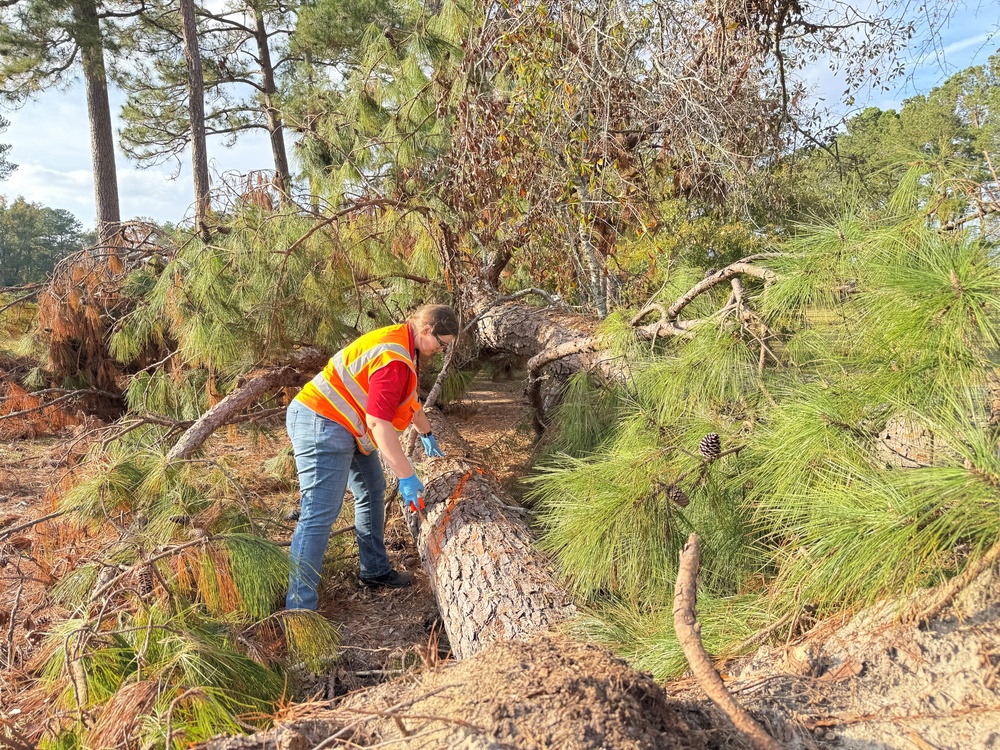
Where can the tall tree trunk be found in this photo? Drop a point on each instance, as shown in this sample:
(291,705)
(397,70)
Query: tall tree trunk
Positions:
(102,146)
(196,95)
(275,127)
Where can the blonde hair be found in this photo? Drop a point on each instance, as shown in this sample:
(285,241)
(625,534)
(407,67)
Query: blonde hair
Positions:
(440,318)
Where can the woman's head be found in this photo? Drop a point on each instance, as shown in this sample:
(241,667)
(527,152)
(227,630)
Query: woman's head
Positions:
(435,327)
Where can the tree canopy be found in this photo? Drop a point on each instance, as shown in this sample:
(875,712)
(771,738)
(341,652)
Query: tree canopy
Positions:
(33,238)
(6,167)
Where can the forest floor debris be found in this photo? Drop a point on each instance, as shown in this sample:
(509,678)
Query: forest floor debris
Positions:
(867,682)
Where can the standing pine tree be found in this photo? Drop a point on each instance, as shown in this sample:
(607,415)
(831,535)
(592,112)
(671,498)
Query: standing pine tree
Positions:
(6,167)
(45,42)
(243,57)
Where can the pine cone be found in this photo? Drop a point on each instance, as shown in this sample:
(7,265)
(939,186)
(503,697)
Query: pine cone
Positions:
(181,520)
(710,446)
(678,496)
(144,581)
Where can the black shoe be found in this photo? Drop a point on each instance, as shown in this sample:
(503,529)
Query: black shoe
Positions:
(390,580)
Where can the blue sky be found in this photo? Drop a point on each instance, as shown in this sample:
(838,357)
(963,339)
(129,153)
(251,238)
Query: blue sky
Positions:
(51,138)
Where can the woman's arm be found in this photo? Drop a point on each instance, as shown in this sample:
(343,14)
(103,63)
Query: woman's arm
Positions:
(421,422)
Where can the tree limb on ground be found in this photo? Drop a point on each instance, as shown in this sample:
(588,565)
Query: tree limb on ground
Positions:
(255,385)
(689,634)
(489,581)
(945,595)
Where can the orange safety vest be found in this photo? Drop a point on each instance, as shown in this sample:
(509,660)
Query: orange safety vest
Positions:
(340,391)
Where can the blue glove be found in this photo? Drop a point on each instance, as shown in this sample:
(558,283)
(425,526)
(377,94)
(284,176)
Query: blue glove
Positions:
(412,490)
(431,447)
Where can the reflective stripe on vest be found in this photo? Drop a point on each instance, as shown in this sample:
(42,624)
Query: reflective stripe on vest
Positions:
(342,386)
(348,373)
(344,407)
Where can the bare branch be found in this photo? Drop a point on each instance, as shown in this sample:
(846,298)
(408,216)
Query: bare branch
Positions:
(689,634)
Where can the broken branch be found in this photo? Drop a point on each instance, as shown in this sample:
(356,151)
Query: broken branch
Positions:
(689,634)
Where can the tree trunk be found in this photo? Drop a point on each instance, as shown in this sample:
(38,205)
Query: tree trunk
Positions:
(489,581)
(196,94)
(275,127)
(557,344)
(102,147)
(515,683)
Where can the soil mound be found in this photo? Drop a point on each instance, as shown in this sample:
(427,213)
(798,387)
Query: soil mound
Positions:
(549,692)
(878,682)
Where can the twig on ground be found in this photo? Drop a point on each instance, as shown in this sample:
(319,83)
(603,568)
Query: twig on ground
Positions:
(28,524)
(13,623)
(877,718)
(951,589)
(762,635)
(170,713)
(14,739)
(689,634)
(53,402)
(328,742)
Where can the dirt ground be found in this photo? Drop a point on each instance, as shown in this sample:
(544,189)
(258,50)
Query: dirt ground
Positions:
(866,683)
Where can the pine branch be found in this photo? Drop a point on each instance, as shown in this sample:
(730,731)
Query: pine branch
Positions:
(255,385)
(390,711)
(689,635)
(948,592)
(7,533)
(70,395)
(33,292)
(743,267)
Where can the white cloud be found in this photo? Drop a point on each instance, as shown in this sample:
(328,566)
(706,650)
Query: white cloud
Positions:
(72,189)
(960,43)
(963,44)
(51,146)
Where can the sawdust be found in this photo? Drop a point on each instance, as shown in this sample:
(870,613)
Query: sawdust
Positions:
(876,682)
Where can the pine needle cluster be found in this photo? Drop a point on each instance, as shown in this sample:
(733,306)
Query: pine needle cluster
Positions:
(172,624)
(857,422)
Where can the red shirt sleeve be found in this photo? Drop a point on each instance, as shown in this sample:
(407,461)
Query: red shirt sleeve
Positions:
(387,389)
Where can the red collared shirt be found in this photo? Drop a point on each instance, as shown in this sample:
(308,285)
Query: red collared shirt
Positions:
(387,387)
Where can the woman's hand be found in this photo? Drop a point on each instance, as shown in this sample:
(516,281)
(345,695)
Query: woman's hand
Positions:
(412,490)
(431,447)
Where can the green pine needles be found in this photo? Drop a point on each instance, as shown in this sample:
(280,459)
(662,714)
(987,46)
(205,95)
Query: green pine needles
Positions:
(161,668)
(173,624)
(858,406)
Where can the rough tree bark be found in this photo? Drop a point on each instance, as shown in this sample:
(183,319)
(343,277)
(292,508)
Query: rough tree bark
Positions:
(196,97)
(558,344)
(269,92)
(256,384)
(489,581)
(102,148)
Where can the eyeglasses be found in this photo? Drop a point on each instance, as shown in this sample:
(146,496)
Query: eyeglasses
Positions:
(441,343)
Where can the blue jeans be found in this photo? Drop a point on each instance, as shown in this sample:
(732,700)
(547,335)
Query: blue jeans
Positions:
(328,461)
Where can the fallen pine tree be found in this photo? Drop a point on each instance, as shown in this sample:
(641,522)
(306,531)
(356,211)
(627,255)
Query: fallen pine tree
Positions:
(515,681)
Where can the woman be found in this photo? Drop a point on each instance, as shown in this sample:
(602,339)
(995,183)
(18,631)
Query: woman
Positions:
(362,400)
